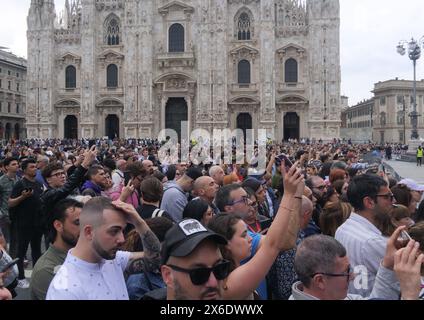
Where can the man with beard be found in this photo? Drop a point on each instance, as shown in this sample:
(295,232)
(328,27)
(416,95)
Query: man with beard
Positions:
(371,199)
(193,267)
(64,233)
(319,189)
(94,269)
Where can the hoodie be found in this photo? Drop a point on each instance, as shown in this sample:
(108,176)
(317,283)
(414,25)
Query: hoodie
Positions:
(174,200)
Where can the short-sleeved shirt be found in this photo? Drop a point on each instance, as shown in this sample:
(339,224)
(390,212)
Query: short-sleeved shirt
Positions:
(81,280)
(44,271)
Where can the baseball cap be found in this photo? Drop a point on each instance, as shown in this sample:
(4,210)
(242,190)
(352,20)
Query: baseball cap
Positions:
(412,185)
(184,237)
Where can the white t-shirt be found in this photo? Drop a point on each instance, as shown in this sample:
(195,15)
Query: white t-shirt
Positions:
(80,280)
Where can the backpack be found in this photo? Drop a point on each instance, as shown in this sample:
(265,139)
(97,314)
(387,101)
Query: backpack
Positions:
(157,213)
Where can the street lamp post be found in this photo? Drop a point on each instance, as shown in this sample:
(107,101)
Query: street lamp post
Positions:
(414,53)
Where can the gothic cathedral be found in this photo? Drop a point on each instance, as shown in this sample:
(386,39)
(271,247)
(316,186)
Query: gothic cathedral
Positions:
(130,68)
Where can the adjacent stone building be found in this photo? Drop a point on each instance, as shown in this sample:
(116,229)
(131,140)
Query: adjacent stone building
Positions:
(392,107)
(357,122)
(132,68)
(12,96)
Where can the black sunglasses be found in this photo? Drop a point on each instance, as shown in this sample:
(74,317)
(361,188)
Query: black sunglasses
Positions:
(200,276)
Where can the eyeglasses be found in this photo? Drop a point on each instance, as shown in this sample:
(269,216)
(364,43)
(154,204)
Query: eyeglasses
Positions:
(244,200)
(347,274)
(59,174)
(389,196)
(200,276)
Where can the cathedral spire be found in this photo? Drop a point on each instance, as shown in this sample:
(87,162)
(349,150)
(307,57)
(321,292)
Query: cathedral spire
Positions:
(41,14)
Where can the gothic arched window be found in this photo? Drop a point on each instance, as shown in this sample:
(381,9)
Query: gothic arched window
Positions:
(112,26)
(112,76)
(244,27)
(176,38)
(244,72)
(70,77)
(290,69)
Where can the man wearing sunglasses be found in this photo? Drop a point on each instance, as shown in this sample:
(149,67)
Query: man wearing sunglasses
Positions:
(372,200)
(193,267)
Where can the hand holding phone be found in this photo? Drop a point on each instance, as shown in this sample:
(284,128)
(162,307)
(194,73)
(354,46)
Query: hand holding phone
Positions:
(282,158)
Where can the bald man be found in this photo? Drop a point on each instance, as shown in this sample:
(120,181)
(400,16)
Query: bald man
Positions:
(312,228)
(206,189)
(218,174)
(94,269)
(306,213)
(118,177)
(282,274)
(148,166)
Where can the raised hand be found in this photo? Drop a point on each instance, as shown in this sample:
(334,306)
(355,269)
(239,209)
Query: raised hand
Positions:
(131,215)
(89,157)
(127,191)
(293,180)
(407,267)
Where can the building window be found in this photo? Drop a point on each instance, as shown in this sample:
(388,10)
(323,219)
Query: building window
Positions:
(400,99)
(382,101)
(176,38)
(17,87)
(244,72)
(291,71)
(1,106)
(70,77)
(9,85)
(400,118)
(0,84)
(383,119)
(9,108)
(112,76)
(112,37)
(244,27)
(17,74)
(18,108)
(9,73)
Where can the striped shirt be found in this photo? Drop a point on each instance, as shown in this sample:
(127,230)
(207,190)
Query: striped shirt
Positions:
(366,247)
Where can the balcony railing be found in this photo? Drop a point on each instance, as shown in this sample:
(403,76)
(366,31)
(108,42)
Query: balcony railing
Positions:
(246,88)
(291,86)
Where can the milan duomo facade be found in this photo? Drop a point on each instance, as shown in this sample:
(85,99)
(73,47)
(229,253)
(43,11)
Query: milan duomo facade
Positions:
(130,68)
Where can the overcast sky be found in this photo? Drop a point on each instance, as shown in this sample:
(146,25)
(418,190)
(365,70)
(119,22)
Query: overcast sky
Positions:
(370,31)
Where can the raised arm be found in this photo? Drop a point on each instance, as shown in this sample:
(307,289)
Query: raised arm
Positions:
(151,245)
(246,278)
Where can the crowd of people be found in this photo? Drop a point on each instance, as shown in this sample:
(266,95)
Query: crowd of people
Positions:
(113,220)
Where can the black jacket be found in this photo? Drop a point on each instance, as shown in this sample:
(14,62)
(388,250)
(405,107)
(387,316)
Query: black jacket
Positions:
(52,196)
